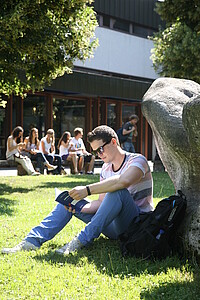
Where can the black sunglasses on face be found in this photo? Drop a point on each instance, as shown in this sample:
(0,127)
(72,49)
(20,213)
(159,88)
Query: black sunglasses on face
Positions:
(100,150)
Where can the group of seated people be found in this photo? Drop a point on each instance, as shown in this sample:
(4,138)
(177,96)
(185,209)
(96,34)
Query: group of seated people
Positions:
(24,151)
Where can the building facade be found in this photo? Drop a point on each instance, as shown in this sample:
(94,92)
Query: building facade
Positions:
(104,90)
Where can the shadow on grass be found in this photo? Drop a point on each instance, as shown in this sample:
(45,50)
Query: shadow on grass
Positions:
(7,189)
(6,206)
(70,183)
(171,291)
(106,255)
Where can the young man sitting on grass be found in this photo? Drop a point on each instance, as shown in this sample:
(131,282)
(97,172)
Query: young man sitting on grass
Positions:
(125,189)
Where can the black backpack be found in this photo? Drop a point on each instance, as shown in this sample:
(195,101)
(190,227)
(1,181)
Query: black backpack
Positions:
(122,138)
(152,235)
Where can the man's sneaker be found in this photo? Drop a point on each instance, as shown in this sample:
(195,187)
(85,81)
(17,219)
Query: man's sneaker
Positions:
(23,246)
(90,173)
(70,247)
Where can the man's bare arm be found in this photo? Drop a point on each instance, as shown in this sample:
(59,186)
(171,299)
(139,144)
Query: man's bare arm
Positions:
(131,176)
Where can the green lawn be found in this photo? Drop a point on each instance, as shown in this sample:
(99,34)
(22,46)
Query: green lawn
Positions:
(97,272)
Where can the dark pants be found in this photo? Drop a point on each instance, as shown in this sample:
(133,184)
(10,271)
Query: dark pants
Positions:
(40,159)
(54,160)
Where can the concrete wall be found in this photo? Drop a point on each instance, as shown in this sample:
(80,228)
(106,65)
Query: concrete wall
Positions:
(122,54)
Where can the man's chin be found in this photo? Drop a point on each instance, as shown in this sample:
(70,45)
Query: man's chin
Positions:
(105,160)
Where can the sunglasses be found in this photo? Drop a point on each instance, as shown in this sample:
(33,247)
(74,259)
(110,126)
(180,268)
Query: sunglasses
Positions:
(100,150)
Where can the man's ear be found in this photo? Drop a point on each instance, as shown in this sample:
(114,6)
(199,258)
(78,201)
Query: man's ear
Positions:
(114,141)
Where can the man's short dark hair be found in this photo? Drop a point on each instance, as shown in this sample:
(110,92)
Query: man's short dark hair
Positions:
(133,117)
(78,130)
(103,132)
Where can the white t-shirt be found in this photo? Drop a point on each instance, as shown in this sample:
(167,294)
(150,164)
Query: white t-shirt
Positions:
(77,144)
(46,145)
(63,150)
(9,154)
(142,191)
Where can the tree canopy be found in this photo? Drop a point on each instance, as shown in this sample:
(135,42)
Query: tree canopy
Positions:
(41,39)
(176,50)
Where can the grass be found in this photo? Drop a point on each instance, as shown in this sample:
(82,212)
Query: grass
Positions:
(96,272)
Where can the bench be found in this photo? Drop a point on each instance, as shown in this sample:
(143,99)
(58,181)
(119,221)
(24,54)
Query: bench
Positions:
(20,171)
(12,164)
(97,163)
(68,163)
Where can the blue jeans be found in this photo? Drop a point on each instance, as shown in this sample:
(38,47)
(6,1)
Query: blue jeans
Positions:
(112,218)
(128,146)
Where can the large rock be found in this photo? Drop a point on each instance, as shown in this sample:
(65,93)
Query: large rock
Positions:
(172,108)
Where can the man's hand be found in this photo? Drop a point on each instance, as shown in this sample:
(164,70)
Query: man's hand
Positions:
(70,209)
(78,193)
(133,128)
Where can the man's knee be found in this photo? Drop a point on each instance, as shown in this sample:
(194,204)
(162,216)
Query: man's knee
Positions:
(118,193)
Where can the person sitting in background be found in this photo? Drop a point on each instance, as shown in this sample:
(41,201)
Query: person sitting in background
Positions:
(15,146)
(47,147)
(64,147)
(83,154)
(32,151)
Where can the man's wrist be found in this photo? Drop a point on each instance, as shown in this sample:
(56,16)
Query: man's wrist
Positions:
(88,190)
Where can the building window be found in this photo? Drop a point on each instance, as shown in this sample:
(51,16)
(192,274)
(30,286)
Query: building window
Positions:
(127,111)
(33,114)
(120,25)
(67,115)
(142,31)
(106,21)
(125,26)
(111,115)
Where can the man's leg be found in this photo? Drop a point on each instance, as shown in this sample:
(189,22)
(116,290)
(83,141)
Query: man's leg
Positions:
(47,229)
(91,165)
(53,224)
(126,146)
(72,156)
(80,163)
(132,148)
(49,226)
(112,218)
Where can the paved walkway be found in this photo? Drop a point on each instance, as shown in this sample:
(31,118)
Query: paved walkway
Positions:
(13,171)
(8,172)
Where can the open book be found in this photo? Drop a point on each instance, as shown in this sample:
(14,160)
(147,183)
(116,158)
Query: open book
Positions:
(65,199)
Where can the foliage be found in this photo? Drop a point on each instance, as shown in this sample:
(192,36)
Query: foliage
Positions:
(40,40)
(186,11)
(176,50)
(2,111)
(96,272)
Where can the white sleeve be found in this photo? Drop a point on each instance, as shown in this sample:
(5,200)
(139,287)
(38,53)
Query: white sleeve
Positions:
(82,145)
